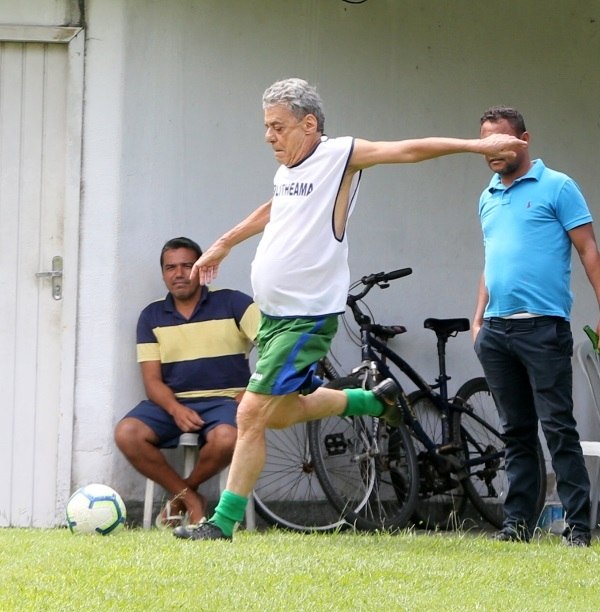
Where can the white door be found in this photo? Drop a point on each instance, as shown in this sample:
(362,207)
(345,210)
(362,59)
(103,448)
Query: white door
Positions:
(40,139)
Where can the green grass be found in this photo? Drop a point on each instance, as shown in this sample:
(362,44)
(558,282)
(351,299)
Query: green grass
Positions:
(274,570)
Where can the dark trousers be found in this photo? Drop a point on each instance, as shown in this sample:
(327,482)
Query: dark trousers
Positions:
(527,363)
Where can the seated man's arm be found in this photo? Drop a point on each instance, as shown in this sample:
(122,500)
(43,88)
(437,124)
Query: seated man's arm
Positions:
(157,391)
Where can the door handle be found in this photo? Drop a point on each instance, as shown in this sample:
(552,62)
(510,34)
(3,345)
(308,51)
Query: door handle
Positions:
(55,275)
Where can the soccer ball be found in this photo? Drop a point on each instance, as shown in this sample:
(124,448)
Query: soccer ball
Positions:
(95,508)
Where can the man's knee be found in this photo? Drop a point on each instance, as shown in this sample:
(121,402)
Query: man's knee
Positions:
(222,439)
(131,432)
(257,411)
(253,411)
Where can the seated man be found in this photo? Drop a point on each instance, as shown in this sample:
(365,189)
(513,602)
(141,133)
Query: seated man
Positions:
(193,348)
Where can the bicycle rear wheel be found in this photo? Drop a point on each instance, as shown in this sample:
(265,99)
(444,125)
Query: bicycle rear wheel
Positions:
(368,471)
(487,483)
(441,499)
(288,493)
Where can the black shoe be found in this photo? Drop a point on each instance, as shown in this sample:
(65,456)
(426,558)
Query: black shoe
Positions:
(201,531)
(577,540)
(387,392)
(511,535)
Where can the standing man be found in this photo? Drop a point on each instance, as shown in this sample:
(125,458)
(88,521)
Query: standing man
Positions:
(300,278)
(531,216)
(193,348)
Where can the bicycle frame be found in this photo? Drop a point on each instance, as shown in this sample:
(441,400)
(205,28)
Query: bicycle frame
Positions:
(375,354)
(374,357)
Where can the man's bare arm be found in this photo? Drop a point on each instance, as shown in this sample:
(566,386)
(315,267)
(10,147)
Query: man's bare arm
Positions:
(157,391)
(584,241)
(367,153)
(482,300)
(207,266)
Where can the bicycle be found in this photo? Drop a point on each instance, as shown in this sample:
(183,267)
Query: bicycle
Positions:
(289,494)
(457,440)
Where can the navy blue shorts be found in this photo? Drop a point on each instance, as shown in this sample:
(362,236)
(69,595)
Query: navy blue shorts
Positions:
(214,411)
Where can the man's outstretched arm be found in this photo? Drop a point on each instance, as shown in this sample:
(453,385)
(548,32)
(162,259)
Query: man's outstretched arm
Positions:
(207,266)
(367,153)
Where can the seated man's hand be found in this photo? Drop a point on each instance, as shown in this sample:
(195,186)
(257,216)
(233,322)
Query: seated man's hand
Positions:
(187,419)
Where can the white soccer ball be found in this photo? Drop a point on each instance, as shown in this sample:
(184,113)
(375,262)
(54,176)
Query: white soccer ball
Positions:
(95,508)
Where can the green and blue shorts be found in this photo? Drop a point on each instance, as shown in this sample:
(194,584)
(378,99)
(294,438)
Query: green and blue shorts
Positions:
(288,352)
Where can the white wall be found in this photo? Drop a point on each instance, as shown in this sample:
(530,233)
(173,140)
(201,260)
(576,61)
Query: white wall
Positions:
(186,149)
(39,12)
(173,144)
(104,301)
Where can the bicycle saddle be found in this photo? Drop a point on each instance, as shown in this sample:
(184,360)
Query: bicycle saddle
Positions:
(447,326)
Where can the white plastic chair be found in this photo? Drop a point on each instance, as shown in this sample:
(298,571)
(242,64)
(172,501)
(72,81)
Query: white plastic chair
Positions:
(589,361)
(189,443)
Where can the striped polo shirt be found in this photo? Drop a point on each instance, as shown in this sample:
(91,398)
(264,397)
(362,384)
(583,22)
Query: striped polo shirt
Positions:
(207,354)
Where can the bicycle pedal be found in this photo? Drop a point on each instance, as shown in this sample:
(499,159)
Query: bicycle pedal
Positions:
(335,444)
(448,449)
(453,483)
(442,485)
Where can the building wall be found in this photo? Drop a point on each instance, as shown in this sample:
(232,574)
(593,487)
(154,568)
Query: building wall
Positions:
(173,145)
(40,12)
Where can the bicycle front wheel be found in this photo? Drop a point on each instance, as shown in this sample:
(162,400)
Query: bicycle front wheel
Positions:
(487,483)
(368,471)
(288,493)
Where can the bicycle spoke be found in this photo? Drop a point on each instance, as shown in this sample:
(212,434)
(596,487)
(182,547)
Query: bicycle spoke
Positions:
(288,493)
(487,482)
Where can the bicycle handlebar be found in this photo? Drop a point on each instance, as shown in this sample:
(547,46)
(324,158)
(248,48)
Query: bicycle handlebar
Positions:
(384,277)
(380,278)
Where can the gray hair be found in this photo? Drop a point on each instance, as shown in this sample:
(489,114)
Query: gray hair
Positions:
(296,94)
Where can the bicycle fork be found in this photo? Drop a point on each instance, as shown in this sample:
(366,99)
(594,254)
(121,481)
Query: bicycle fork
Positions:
(368,374)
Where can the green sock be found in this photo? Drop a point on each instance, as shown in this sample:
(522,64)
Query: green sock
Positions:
(229,511)
(362,402)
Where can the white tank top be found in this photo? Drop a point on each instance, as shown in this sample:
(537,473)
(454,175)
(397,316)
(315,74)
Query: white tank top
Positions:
(300,268)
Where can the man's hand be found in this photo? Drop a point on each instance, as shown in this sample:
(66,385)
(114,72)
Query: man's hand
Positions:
(207,266)
(475,327)
(502,144)
(187,419)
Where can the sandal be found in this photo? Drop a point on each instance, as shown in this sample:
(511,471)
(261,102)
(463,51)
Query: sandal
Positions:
(166,520)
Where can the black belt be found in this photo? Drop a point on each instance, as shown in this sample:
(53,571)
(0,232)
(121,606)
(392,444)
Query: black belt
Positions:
(527,323)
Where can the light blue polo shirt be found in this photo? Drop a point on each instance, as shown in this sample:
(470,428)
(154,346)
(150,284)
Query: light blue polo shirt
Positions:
(527,248)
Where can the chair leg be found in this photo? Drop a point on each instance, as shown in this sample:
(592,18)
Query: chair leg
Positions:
(190,456)
(223,475)
(250,514)
(148,504)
